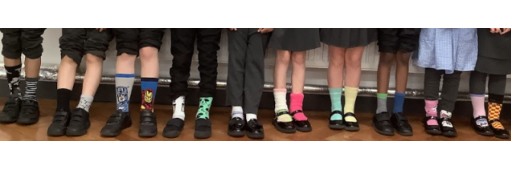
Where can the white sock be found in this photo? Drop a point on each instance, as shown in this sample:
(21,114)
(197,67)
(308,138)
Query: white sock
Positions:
(179,108)
(237,111)
(280,99)
(251,116)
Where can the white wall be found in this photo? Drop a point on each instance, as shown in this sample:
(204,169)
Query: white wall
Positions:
(317,62)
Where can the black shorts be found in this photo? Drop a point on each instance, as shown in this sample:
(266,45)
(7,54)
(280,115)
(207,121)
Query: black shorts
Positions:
(76,42)
(22,40)
(131,40)
(391,40)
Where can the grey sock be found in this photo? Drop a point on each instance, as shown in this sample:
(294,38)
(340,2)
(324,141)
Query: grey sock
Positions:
(31,89)
(85,102)
(382,105)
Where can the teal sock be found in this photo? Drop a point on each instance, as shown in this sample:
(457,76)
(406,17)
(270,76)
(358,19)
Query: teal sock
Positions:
(335,98)
(204,106)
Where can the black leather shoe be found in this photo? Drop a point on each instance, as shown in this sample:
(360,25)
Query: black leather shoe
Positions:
(382,124)
(485,129)
(302,126)
(432,129)
(236,127)
(59,124)
(173,128)
(401,124)
(202,129)
(254,129)
(284,127)
(79,123)
(499,133)
(29,113)
(148,127)
(447,127)
(350,126)
(336,124)
(11,110)
(117,122)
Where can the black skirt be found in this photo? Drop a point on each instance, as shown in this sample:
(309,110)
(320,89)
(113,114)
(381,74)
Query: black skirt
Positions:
(348,37)
(494,52)
(295,39)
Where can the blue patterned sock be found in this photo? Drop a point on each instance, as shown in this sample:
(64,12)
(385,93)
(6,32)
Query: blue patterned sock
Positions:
(123,86)
(149,86)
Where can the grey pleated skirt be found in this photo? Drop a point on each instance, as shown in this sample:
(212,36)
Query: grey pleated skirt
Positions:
(295,39)
(348,37)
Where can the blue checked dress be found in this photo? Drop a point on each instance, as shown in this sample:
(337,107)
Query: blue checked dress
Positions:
(449,49)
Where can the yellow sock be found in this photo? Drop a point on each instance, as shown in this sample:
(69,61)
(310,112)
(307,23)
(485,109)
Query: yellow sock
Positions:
(350,94)
(494,113)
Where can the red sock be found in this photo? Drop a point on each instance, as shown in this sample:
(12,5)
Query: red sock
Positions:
(296,104)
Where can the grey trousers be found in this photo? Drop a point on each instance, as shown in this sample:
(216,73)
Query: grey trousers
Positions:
(245,79)
(496,83)
(451,83)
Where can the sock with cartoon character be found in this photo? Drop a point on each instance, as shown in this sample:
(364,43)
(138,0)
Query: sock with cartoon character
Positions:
(149,86)
(123,86)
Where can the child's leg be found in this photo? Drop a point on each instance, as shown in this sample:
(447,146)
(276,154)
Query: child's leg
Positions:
(279,79)
(336,57)
(32,48)
(384,67)
(477,91)
(127,49)
(298,82)
(353,70)
(238,42)
(496,89)
(12,58)
(403,61)
(431,88)
(254,83)
(451,83)
(150,43)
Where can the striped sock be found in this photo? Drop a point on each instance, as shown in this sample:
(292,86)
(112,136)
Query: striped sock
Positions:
(31,89)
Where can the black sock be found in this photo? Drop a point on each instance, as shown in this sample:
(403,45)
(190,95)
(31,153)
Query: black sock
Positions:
(63,98)
(13,78)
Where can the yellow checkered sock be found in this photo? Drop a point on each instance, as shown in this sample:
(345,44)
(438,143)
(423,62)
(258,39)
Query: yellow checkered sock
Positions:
(494,108)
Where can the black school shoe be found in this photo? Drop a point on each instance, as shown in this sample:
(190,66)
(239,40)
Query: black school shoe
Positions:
(351,126)
(336,124)
(59,124)
(303,125)
(29,113)
(382,124)
(485,129)
(173,128)
(148,126)
(447,127)
(284,127)
(400,123)
(79,123)
(499,133)
(254,129)
(11,110)
(432,129)
(236,127)
(117,122)
(202,128)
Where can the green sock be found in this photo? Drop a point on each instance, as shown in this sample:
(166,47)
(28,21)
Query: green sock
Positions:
(335,99)
(204,106)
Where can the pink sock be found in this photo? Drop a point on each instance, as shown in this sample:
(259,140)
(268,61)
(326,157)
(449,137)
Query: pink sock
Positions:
(296,104)
(431,111)
(478,104)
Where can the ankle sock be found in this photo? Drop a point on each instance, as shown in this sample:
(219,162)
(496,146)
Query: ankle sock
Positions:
(296,104)
(85,102)
(123,87)
(178,106)
(431,110)
(237,111)
(149,86)
(204,106)
(13,78)
(251,116)
(382,102)
(63,98)
(31,88)
(399,99)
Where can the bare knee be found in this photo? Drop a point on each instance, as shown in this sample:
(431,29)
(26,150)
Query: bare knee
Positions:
(387,59)
(148,54)
(403,60)
(93,60)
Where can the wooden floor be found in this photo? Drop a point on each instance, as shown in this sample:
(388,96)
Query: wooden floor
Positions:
(220,117)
